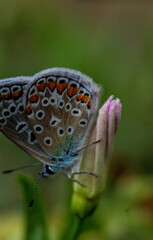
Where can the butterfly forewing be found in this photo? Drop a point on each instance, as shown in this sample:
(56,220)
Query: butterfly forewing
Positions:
(13,123)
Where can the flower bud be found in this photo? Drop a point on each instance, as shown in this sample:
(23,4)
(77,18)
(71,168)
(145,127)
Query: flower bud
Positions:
(96,158)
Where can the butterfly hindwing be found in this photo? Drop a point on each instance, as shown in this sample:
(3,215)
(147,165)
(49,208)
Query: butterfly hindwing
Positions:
(60,105)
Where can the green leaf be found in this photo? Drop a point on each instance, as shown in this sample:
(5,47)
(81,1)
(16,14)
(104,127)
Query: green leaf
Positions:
(35,219)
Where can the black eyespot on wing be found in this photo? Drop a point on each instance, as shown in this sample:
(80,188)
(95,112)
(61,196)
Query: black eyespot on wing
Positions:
(40,114)
(32,91)
(52,100)
(6,113)
(61,104)
(2,120)
(38,129)
(12,109)
(32,137)
(21,127)
(45,101)
(21,108)
(73,85)
(53,122)
(69,130)
(4,91)
(61,131)
(15,89)
(41,82)
(62,81)
(68,106)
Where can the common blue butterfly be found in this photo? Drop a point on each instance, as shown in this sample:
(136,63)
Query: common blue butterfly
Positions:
(49,115)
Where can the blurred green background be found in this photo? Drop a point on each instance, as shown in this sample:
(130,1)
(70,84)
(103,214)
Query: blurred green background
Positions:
(111,41)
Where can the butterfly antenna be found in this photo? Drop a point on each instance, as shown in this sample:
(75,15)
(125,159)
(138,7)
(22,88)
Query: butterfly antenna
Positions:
(88,145)
(19,168)
(37,183)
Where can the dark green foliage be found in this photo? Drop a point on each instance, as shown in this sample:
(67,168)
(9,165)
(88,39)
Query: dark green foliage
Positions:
(35,219)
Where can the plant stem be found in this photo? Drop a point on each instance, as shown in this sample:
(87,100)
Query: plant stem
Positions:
(75,228)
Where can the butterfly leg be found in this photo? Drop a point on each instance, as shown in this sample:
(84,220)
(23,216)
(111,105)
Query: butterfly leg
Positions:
(73,180)
(85,172)
(76,181)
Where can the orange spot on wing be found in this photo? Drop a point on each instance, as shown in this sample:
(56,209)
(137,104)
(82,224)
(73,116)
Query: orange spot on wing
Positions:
(89,104)
(79,97)
(51,85)
(16,94)
(85,99)
(61,87)
(6,96)
(41,87)
(28,110)
(34,98)
(72,91)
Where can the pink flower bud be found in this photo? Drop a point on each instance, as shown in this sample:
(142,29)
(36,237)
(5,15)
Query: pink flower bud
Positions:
(96,158)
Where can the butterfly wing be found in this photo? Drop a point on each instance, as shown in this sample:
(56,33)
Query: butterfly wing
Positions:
(13,122)
(48,114)
(60,105)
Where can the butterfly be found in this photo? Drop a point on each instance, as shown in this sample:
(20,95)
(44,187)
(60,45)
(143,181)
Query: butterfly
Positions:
(48,115)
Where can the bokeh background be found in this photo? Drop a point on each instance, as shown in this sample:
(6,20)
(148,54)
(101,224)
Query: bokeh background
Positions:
(111,41)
